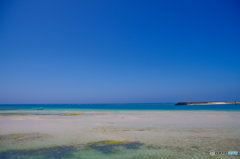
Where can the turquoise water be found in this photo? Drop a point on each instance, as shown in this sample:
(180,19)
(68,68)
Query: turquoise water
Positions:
(166,106)
(197,142)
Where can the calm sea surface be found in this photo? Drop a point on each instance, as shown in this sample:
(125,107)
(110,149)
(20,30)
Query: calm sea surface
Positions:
(166,106)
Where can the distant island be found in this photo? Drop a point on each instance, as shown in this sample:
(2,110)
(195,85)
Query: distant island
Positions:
(205,103)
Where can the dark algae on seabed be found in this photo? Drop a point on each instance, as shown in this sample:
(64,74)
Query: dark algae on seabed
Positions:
(72,151)
(57,152)
(111,150)
(112,146)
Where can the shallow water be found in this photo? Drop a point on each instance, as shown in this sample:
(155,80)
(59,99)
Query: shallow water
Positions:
(117,134)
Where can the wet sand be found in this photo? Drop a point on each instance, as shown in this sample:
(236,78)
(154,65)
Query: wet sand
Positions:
(139,134)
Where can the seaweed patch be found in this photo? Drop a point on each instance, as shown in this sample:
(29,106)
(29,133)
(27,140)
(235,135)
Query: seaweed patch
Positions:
(113,146)
(12,114)
(72,114)
(52,152)
(22,137)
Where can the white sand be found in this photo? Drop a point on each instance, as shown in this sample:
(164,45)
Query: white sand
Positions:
(206,129)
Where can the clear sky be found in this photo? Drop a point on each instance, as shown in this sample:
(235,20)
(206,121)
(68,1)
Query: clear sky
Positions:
(111,51)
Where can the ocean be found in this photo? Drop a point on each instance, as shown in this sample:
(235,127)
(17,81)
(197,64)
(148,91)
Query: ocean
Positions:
(119,131)
(146,106)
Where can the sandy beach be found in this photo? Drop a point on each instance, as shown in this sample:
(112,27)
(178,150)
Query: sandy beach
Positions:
(185,134)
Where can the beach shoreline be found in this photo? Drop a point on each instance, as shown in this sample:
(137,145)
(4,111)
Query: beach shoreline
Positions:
(185,130)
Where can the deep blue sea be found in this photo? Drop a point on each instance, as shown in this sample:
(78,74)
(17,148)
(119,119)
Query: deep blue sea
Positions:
(157,106)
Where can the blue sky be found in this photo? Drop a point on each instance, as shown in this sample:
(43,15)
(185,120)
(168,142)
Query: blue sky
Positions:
(91,51)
